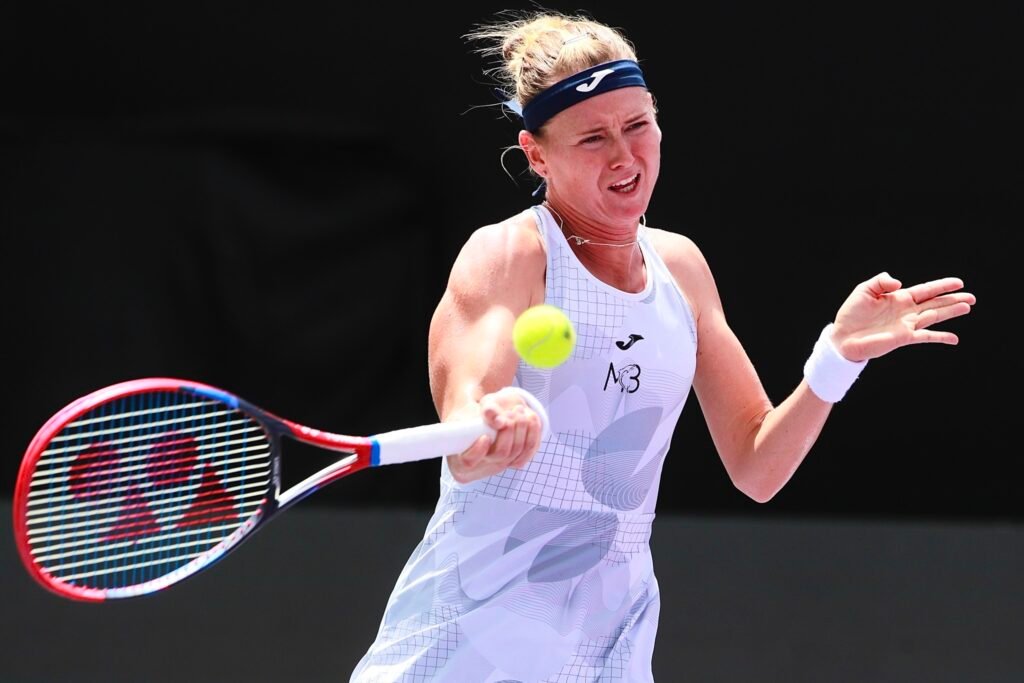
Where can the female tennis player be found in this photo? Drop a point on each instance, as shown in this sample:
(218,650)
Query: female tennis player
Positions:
(536,564)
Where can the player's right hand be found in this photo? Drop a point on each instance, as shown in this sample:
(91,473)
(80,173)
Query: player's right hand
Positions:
(517,438)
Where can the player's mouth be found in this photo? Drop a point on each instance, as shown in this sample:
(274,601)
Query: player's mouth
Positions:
(626,186)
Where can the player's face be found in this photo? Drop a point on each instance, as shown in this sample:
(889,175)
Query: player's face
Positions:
(603,154)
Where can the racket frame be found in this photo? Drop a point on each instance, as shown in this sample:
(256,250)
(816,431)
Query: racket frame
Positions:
(362,452)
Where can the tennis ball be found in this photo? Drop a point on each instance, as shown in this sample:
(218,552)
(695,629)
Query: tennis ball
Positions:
(544,336)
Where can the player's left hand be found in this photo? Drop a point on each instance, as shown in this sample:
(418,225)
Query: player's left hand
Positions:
(881,315)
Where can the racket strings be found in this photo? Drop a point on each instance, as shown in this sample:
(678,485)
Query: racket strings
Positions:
(58,541)
(139,487)
(154,500)
(144,417)
(78,489)
(122,447)
(158,500)
(53,557)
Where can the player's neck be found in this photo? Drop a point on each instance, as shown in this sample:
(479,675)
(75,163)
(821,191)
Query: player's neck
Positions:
(612,255)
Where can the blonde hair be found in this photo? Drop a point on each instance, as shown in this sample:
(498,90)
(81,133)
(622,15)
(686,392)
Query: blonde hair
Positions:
(535,50)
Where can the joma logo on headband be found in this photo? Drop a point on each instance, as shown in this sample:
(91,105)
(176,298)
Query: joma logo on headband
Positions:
(595,79)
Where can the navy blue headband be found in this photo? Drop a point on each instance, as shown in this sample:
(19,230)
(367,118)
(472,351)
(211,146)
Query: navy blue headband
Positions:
(623,73)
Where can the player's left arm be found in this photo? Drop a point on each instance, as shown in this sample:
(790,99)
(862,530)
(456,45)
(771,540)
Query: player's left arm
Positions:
(740,416)
(761,444)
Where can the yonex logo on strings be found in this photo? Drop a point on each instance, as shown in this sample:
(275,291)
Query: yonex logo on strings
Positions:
(171,469)
(595,79)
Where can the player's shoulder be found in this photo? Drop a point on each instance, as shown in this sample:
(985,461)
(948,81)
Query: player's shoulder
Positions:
(678,251)
(515,237)
(688,267)
(510,243)
(508,253)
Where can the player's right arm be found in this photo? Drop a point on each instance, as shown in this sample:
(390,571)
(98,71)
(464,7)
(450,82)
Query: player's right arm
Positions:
(498,274)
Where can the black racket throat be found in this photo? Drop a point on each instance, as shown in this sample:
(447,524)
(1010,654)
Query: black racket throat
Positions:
(296,462)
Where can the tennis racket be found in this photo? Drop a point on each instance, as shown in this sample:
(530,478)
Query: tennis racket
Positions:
(139,485)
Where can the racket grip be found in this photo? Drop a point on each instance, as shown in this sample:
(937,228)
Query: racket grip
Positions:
(443,438)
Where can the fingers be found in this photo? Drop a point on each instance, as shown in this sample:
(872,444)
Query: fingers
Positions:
(505,449)
(466,465)
(518,436)
(475,453)
(949,300)
(515,444)
(934,316)
(937,305)
(882,316)
(882,284)
(493,414)
(924,292)
(935,337)
(532,441)
(870,345)
(929,290)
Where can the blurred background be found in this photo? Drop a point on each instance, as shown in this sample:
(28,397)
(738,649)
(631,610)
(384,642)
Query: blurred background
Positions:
(267,197)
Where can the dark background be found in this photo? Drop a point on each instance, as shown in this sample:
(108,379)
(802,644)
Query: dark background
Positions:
(267,197)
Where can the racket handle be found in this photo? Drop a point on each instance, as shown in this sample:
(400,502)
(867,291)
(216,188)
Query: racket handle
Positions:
(443,438)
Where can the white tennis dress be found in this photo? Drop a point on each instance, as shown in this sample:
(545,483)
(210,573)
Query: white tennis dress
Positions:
(544,574)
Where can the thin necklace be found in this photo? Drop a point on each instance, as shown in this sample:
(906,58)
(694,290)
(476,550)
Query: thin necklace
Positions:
(583,240)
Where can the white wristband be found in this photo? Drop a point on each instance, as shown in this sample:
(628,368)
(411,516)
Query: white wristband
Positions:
(828,373)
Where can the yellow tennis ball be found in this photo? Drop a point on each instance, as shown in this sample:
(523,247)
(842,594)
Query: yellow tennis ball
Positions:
(544,336)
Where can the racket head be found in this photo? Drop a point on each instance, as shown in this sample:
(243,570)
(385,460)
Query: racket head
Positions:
(141,484)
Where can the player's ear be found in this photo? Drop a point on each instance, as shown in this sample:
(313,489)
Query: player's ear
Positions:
(534,152)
